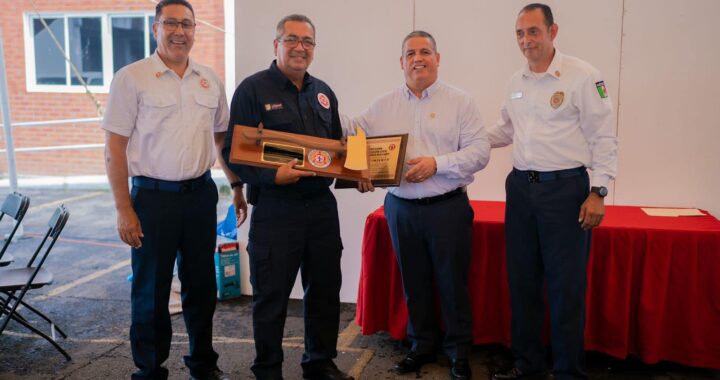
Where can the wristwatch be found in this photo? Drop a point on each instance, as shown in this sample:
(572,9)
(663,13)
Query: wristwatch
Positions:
(236,184)
(599,190)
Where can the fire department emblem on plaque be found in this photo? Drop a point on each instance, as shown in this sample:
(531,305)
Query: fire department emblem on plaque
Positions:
(319,158)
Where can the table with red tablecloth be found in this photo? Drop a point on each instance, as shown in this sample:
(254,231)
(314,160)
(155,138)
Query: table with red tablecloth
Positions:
(653,285)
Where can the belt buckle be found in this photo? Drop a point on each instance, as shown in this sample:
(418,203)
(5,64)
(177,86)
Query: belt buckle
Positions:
(533,176)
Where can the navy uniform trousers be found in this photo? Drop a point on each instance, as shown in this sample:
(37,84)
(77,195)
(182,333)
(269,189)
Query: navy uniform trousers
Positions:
(432,242)
(176,224)
(546,246)
(291,232)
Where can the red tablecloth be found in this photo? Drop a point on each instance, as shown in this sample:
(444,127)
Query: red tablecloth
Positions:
(653,285)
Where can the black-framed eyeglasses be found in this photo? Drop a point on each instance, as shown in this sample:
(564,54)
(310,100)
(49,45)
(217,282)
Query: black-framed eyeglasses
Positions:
(292,41)
(172,24)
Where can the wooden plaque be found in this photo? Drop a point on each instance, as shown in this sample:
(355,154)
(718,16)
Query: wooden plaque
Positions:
(269,149)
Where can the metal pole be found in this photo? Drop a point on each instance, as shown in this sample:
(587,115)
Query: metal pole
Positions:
(5,100)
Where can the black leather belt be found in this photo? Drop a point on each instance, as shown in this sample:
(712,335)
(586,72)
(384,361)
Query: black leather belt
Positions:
(437,198)
(533,176)
(185,186)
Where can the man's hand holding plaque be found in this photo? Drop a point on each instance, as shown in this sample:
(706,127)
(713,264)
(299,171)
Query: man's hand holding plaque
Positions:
(422,169)
(287,174)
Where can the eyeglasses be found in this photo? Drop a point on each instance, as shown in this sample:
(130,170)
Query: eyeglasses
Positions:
(292,41)
(172,25)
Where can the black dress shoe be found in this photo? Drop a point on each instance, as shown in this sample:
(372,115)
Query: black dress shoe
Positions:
(413,362)
(517,373)
(460,369)
(326,371)
(215,374)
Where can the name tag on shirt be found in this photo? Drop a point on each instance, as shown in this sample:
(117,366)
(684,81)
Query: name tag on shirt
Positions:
(516,95)
(273,106)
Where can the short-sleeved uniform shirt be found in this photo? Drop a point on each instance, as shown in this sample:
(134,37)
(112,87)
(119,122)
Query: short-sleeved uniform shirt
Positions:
(270,98)
(169,120)
(559,119)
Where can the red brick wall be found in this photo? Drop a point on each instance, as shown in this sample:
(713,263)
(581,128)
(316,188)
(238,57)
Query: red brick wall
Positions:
(38,106)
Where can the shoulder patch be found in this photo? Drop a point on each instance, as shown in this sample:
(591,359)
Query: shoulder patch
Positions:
(601,89)
(323,100)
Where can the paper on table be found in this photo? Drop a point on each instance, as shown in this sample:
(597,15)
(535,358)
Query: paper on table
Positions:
(672,211)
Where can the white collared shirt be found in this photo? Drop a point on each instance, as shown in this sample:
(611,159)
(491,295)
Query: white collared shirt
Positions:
(443,123)
(169,120)
(558,120)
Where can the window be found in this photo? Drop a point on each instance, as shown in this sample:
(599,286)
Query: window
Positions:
(51,68)
(130,37)
(97,44)
(86,49)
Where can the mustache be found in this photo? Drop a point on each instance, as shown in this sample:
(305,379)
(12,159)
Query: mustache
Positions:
(298,54)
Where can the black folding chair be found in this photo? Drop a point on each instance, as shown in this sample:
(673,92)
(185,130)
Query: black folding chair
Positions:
(14,206)
(29,277)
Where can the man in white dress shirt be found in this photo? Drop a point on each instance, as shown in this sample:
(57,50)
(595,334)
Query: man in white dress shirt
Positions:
(429,214)
(166,116)
(559,118)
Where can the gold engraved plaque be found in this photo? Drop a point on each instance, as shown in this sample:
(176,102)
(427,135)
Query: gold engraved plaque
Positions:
(386,158)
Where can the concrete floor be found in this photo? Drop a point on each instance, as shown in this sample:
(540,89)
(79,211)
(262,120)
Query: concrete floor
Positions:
(90,301)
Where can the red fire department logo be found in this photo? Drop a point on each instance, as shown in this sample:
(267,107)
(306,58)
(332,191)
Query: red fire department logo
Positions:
(204,83)
(319,158)
(324,101)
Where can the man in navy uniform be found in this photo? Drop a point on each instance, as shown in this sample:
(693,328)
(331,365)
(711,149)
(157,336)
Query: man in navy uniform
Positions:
(294,225)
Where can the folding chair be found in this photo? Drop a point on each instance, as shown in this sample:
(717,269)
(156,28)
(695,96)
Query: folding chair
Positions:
(14,206)
(32,277)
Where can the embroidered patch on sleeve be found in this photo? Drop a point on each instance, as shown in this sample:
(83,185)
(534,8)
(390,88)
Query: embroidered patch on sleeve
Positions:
(601,89)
